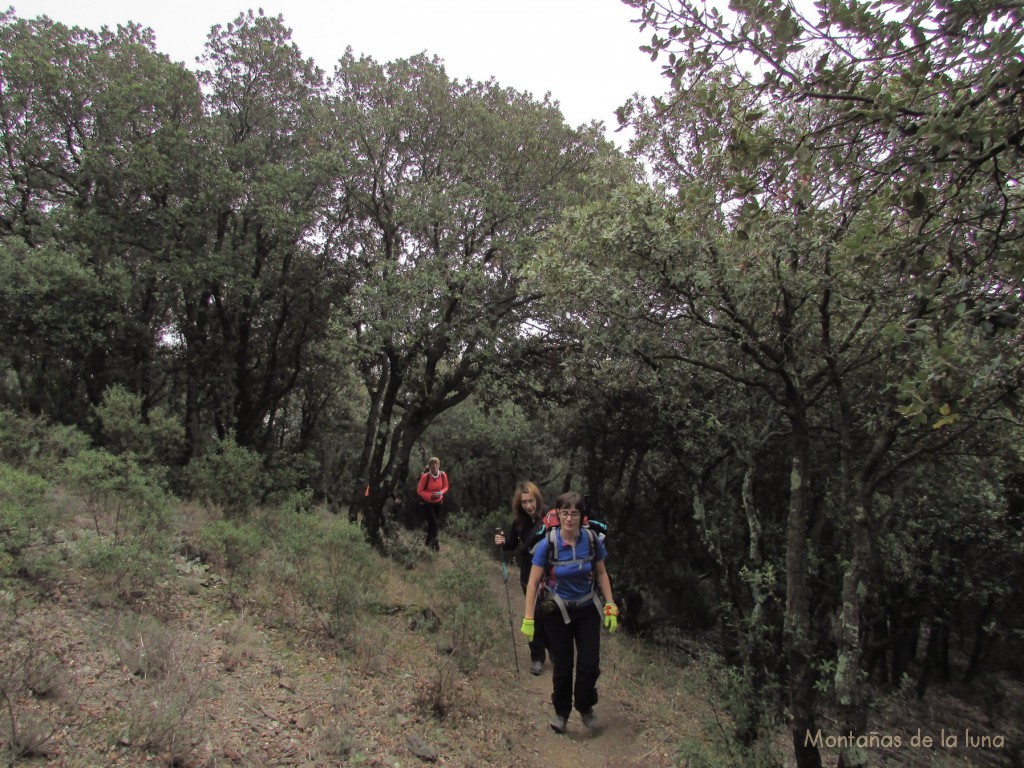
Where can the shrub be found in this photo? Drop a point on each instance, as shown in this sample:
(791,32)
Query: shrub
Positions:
(163,715)
(336,571)
(23,509)
(156,437)
(227,477)
(286,472)
(122,567)
(469,617)
(27,674)
(35,445)
(123,499)
(231,545)
(27,515)
(437,694)
(728,747)
(145,646)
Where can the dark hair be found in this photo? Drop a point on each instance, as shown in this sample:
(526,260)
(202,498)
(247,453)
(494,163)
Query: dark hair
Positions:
(572,500)
(521,519)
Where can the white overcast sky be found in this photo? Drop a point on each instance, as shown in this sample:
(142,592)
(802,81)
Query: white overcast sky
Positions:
(584,52)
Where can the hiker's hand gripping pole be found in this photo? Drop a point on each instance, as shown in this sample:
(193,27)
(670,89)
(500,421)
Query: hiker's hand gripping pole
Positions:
(508,600)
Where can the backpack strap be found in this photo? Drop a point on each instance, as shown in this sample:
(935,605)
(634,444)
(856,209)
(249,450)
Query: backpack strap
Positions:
(564,606)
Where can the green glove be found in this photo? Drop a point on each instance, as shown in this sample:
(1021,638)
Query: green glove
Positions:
(611,617)
(527,629)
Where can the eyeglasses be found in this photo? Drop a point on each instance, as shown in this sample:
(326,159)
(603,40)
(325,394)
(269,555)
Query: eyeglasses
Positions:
(568,513)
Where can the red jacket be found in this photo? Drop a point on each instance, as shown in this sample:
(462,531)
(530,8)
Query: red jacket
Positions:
(429,485)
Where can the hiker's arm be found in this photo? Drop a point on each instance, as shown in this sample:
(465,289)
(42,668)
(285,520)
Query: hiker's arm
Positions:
(536,572)
(603,582)
(421,488)
(529,628)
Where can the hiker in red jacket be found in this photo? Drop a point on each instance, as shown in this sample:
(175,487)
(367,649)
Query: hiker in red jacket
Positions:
(431,489)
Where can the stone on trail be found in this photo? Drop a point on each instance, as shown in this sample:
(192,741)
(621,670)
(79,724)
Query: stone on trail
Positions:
(420,748)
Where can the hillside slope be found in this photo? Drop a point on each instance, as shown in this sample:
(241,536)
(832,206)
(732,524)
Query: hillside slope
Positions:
(203,670)
(206,669)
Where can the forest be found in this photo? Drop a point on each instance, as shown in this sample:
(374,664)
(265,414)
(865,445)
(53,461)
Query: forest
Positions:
(777,341)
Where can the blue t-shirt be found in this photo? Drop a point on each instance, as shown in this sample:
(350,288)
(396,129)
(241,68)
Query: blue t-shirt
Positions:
(572,571)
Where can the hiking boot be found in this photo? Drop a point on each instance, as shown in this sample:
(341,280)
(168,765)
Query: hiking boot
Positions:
(559,724)
(590,721)
(537,668)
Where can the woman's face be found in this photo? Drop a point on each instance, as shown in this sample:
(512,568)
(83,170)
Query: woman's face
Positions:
(569,518)
(528,504)
(435,465)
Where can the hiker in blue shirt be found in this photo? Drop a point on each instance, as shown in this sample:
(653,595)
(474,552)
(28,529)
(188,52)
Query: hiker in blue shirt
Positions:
(569,561)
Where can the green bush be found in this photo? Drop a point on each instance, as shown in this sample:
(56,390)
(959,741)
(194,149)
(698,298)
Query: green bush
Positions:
(124,500)
(469,616)
(23,508)
(732,702)
(122,567)
(335,570)
(25,518)
(228,477)
(35,445)
(232,545)
(478,530)
(156,438)
(286,472)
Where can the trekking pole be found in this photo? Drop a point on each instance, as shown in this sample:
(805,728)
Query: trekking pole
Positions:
(511,625)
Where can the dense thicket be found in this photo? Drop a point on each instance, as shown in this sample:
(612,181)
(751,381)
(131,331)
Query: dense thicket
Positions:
(784,365)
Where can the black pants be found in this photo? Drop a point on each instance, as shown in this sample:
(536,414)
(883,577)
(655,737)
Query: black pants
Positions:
(578,644)
(433,513)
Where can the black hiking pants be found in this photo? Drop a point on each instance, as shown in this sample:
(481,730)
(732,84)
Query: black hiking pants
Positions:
(576,644)
(433,513)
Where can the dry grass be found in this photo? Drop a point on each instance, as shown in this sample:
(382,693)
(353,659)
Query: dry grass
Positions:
(212,667)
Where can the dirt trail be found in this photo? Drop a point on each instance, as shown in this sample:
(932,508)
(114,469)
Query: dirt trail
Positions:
(632,732)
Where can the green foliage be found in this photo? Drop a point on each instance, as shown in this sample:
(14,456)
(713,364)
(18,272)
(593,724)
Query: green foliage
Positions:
(120,568)
(329,563)
(489,446)
(470,621)
(24,514)
(436,301)
(36,445)
(229,476)
(731,701)
(51,305)
(124,500)
(132,517)
(821,282)
(152,438)
(84,303)
(232,545)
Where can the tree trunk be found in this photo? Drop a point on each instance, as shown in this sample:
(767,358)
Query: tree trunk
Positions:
(799,643)
(848,679)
